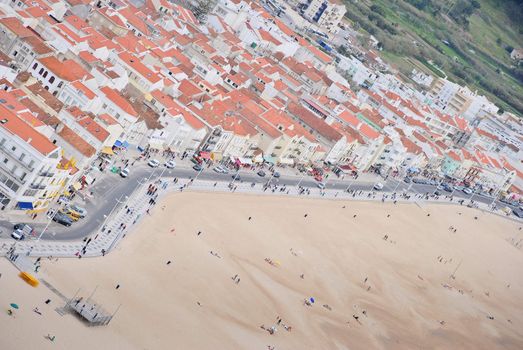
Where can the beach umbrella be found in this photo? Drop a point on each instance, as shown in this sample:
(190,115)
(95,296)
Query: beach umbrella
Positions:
(312,300)
(14,306)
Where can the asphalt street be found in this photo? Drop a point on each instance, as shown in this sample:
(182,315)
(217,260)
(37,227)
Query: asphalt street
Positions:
(113,191)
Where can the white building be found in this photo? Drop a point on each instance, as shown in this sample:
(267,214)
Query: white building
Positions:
(327,14)
(28,165)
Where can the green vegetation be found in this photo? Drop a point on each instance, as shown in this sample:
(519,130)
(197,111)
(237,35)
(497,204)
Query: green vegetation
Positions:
(470,40)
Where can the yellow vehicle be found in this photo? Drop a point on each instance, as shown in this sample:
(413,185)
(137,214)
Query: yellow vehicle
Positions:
(71,214)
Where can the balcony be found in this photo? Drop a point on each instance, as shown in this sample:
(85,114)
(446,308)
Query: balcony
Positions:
(46,174)
(37,186)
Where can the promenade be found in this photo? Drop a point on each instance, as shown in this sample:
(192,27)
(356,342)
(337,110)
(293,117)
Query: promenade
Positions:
(127,213)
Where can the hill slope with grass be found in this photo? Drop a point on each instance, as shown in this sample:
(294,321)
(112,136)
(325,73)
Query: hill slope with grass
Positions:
(470,40)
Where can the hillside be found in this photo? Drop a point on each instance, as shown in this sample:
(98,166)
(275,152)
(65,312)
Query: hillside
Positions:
(470,40)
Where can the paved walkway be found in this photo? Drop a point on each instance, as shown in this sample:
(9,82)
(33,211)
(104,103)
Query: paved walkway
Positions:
(127,214)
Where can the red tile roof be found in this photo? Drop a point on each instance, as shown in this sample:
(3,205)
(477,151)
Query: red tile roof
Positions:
(67,70)
(16,126)
(316,124)
(120,101)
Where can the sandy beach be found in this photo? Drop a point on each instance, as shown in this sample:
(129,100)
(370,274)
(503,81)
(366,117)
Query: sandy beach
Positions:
(379,274)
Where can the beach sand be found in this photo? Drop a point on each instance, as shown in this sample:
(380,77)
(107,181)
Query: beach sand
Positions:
(412,302)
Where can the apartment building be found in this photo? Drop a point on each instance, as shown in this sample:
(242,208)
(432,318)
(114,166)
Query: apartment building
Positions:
(327,14)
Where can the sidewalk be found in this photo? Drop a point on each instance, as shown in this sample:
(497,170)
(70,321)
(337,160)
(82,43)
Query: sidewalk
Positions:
(130,212)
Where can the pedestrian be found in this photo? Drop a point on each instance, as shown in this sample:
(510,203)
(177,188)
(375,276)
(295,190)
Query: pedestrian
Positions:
(250,217)
(169,262)
(48,301)
(103,252)
(305,215)
(199,233)
(117,286)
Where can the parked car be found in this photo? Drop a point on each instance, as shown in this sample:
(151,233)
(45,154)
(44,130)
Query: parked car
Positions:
(437,192)
(518,212)
(276,174)
(153,163)
(23,227)
(81,211)
(197,167)
(261,173)
(467,190)
(236,177)
(18,235)
(320,185)
(407,180)
(63,219)
(170,164)
(378,186)
(124,173)
(458,188)
(70,214)
(418,181)
(220,169)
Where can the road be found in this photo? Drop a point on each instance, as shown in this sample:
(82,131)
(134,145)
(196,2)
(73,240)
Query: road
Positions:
(113,189)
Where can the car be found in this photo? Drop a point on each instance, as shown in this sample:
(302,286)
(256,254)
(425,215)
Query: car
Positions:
(197,167)
(458,188)
(170,164)
(518,212)
(378,186)
(23,227)
(81,211)
(419,181)
(261,173)
(124,173)
(153,163)
(467,190)
(320,185)
(407,180)
(18,235)
(70,214)
(276,174)
(447,187)
(63,200)
(236,177)
(437,192)
(63,219)
(220,169)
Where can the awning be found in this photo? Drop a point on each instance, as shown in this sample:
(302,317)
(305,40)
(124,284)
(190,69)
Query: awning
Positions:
(216,156)
(118,143)
(205,155)
(244,160)
(125,144)
(258,159)
(25,205)
(287,161)
(269,159)
(77,186)
(107,150)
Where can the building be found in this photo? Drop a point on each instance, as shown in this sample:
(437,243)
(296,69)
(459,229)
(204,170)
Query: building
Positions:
(28,164)
(327,14)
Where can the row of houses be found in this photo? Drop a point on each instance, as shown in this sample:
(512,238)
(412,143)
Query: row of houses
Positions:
(82,79)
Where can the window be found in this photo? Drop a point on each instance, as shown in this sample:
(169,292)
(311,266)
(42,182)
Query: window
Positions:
(23,176)
(51,80)
(15,53)
(41,71)
(22,156)
(60,84)
(6,160)
(13,148)
(45,74)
